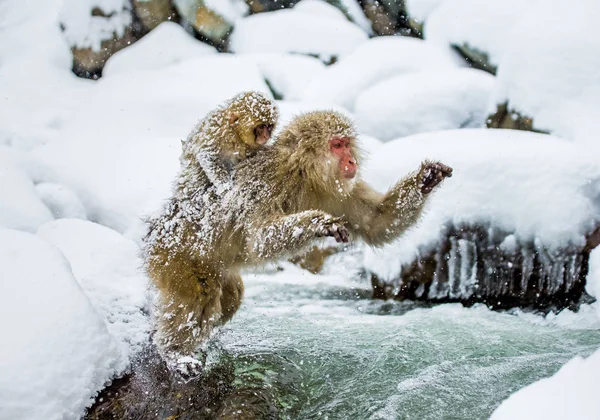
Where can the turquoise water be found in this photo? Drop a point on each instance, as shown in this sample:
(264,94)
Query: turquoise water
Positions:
(327,351)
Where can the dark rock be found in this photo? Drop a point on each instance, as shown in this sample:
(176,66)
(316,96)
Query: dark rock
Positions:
(151,13)
(475,263)
(89,63)
(231,388)
(510,119)
(260,6)
(475,58)
(390,18)
(152,391)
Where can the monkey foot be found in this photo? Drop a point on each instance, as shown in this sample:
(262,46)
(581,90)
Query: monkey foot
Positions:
(186,366)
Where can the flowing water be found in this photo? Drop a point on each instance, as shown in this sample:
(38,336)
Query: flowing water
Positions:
(325,350)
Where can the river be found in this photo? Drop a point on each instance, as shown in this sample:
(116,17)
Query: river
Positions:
(326,350)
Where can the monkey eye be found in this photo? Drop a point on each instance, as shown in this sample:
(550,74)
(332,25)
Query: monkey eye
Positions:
(337,145)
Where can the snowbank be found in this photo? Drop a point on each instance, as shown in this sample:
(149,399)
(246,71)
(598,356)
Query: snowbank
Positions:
(571,393)
(107,267)
(120,153)
(425,101)
(534,185)
(319,8)
(56,353)
(20,206)
(374,61)
(294,31)
(34,34)
(287,74)
(545,68)
(61,200)
(167,44)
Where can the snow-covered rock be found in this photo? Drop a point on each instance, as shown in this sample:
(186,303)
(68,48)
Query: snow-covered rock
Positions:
(547,78)
(56,353)
(571,393)
(61,200)
(288,74)
(20,206)
(291,31)
(108,269)
(168,44)
(85,28)
(374,61)
(425,101)
(354,11)
(540,187)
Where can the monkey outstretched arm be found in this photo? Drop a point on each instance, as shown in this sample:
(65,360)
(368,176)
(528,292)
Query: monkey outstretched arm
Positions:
(215,169)
(287,234)
(381,219)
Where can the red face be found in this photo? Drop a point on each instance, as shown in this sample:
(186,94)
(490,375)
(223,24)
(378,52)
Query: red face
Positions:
(340,148)
(262,133)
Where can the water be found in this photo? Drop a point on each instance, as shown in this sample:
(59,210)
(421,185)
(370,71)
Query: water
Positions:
(325,350)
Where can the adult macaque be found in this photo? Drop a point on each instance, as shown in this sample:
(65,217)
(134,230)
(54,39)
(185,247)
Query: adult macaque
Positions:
(229,134)
(281,201)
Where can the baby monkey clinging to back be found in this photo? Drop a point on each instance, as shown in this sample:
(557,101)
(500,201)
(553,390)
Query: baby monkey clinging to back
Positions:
(226,136)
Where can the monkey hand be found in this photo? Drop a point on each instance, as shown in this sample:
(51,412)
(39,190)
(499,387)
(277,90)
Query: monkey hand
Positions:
(332,226)
(431,174)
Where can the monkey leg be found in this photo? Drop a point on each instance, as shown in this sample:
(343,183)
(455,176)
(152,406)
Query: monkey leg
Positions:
(188,311)
(231,296)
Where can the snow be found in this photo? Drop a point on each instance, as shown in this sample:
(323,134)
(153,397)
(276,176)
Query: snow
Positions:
(421,9)
(319,8)
(108,269)
(82,30)
(61,200)
(20,206)
(288,74)
(548,77)
(296,32)
(374,61)
(425,101)
(167,44)
(571,393)
(535,185)
(56,353)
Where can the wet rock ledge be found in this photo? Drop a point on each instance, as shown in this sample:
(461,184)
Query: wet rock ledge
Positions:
(482,264)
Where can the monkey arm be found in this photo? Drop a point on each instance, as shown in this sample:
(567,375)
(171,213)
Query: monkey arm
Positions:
(380,219)
(289,234)
(215,169)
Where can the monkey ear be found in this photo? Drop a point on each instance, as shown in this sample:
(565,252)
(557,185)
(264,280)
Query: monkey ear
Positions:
(233,117)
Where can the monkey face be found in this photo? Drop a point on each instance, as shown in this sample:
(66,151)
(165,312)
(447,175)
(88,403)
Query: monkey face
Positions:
(262,133)
(340,148)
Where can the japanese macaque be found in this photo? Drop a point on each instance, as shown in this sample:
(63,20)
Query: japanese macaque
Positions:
(282,200)
(226,136)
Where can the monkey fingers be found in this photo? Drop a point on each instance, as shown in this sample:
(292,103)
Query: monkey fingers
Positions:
(336,228)
(432,174)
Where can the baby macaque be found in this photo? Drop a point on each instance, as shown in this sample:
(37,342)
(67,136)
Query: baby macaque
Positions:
(231,133)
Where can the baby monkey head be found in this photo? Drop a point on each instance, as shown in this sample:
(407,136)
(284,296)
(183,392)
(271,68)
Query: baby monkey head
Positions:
(253,116)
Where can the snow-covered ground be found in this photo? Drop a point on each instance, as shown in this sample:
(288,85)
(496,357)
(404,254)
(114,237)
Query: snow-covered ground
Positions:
(83,162)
